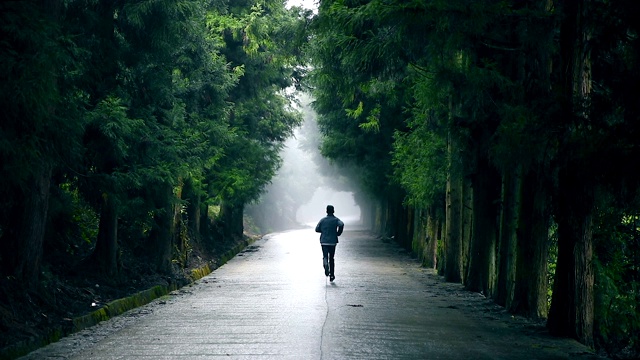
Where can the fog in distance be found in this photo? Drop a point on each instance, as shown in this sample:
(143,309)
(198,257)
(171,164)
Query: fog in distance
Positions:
(304,185)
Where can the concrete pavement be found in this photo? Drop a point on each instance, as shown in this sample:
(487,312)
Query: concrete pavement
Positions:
(274,302)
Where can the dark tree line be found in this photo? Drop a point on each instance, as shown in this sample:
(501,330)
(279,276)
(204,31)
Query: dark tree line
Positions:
(137,126)
(499,142)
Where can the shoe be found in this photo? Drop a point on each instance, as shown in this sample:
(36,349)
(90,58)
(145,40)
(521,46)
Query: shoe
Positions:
(331,278)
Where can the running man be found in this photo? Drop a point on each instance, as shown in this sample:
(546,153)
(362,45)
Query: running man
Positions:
(329,227)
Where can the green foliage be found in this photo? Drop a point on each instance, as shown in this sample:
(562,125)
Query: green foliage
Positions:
(422,173)
(617,316)
(256,40)
(357,115)
(485,75)
(40,120)
(73,226)
(125,99)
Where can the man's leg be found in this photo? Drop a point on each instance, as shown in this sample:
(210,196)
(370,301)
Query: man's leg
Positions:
(325,259)
(332,265)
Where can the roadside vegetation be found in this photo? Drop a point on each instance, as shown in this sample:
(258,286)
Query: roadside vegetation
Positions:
(132,134)
(499,141)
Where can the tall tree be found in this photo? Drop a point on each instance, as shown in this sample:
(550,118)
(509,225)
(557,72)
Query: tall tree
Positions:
(260,41)
(572,311)
(39,126)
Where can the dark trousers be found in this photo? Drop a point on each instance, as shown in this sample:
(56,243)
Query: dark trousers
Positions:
(328,252)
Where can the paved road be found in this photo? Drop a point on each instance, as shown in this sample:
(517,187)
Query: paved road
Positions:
(274,302)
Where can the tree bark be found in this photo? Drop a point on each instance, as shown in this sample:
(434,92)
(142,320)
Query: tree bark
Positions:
(231,215)
(367,213)
(466,231)
(431,248)
(453,239)
(419,237)
(105,254)
(193,205)
(486,192)
(530,297)
(572,307)
(32,226)
(404,224)
(161,234)
(206,226)
(442,239)
(508,238)
(380,216)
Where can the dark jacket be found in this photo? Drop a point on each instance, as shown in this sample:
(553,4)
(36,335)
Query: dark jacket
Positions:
(329,227)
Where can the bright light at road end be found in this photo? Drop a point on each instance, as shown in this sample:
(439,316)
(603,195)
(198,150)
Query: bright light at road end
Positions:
(346,209)
(307,4)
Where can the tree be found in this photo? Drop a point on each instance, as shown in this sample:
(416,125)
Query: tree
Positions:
(259,40)
(38,130)
(572,309)
(359,106)
(529,112)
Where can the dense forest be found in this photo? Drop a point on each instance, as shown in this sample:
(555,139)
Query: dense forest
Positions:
(498,140)
(132,134)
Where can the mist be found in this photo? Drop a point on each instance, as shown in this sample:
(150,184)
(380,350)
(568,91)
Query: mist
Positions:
(305,184)
(345,207)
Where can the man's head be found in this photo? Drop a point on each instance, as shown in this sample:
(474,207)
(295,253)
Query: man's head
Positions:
(330,209)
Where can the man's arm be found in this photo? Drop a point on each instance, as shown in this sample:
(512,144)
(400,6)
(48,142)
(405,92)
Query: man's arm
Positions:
(318,227)
(340,227)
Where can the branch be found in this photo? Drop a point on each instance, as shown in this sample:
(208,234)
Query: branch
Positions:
(499,47)
(424,72)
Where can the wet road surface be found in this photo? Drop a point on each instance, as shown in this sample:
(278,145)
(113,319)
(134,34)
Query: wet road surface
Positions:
(273,302)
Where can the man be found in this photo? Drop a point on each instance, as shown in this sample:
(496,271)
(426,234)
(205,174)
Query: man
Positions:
(329,227)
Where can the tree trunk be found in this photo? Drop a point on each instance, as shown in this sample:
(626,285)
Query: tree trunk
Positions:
(431,247)
(206,226)
(442,236)
(193,205)
(105,254)
(529,293)
(540,212)
(508,238)
(23,238)
(32,226)
(390,217)
(530,297)
(453,240)
(466,224)
(367,213)
(419,238)
(231,216)
(161,234)
(403,219)
(379,218)
(572,306)
(486,192)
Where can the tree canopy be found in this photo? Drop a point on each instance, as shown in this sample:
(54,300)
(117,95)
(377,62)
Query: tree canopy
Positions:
(129,124)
